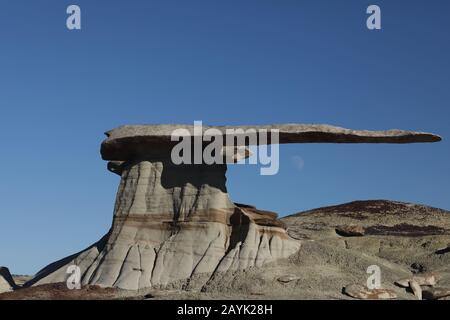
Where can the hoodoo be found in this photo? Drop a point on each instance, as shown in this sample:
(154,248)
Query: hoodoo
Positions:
(175,224)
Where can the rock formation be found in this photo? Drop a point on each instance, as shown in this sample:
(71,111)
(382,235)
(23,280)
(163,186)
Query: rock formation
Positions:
(426,279)
(350,231)
(288,278)
(6,280)
(175,225)
(435,293)
(362,292)
(416,282)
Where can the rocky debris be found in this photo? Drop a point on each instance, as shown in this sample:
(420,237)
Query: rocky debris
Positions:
(443,250)
(6,280)
(288,278)
(362,292)
(416,289)
(424,279)
(422,286)
(418,267)
(350,231)
(416,282)
(435,293)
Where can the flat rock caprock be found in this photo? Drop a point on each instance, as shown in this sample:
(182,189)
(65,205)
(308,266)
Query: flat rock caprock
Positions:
(130,141)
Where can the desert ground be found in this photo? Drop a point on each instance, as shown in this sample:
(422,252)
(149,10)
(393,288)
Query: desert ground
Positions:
(339,243)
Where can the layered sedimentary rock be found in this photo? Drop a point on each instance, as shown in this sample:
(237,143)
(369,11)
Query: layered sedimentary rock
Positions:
(175,225)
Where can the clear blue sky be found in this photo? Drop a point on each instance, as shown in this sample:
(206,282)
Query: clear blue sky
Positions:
(222,62)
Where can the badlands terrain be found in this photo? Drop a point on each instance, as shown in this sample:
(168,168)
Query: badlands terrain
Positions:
(338,244)
(177,234)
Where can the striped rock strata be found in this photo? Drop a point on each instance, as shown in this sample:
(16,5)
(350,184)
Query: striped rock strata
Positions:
(172,223)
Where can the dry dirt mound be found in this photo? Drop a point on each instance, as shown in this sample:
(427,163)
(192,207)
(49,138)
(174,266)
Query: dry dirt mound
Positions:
(400,238)
(59,291)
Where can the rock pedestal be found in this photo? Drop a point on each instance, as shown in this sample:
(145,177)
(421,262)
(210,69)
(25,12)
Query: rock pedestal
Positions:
(175,225)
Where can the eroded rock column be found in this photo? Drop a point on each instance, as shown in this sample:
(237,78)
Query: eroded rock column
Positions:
(175,224)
